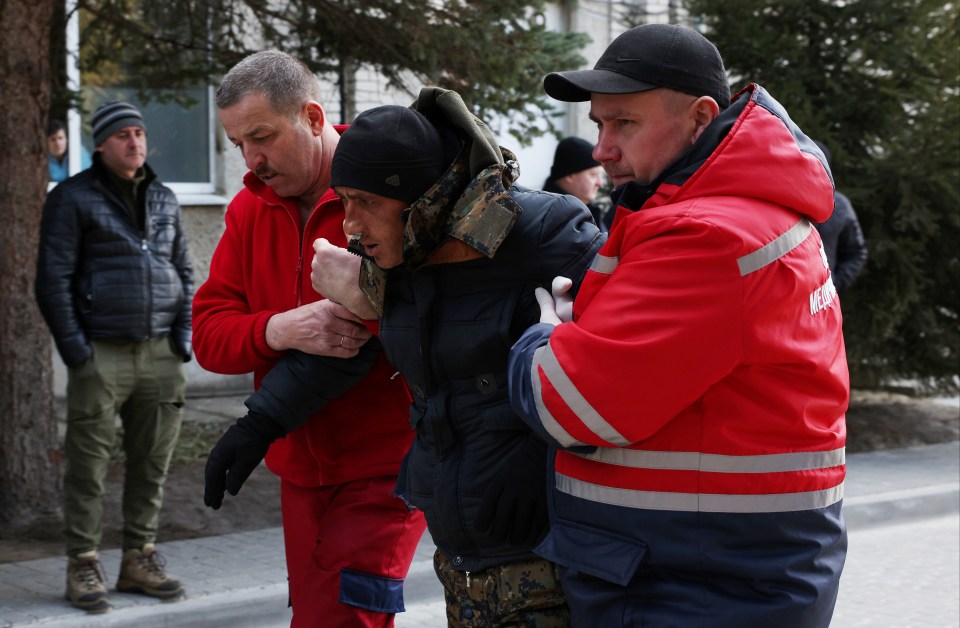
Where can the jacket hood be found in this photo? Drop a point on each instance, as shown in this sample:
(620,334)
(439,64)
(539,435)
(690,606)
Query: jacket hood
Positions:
(469,202)
(445,108)
(752,149)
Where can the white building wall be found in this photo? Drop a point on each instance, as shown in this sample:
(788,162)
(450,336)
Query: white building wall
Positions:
(372,91)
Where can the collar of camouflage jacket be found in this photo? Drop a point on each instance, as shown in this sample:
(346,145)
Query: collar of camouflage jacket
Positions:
(469,202)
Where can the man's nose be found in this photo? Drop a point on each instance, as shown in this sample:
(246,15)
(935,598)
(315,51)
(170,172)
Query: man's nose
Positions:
(253,159)
(350,223)
(605,150)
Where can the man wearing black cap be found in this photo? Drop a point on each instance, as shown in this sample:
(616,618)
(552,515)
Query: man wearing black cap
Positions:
(705,489)
(452,251)
(575,171)
(114,283)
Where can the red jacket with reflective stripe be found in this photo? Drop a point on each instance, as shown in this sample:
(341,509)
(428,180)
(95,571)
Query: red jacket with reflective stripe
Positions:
(706,359)
(705,371)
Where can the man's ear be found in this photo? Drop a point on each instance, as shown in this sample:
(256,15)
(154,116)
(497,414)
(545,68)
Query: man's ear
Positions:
(315,116)
(703,111)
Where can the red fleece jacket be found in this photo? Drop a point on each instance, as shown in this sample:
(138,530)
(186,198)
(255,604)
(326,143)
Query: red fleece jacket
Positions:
(262,267)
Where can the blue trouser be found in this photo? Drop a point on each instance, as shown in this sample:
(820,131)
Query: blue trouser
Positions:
(698,569)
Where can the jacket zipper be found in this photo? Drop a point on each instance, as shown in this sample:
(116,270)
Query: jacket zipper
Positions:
(148,282)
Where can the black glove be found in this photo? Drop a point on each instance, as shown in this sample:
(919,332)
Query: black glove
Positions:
(514,505)
(236,455)
(295,388)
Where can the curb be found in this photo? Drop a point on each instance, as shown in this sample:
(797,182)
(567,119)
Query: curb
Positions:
(254,607)
(901,506)
(266,605)
(262,606)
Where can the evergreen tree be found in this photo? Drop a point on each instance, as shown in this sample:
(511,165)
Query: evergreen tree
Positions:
(878,82)
(492,52)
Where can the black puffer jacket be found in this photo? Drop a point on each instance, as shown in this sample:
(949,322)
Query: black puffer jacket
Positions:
(449,328)
(100,277)
(843,242)
(603,216)
(449,321)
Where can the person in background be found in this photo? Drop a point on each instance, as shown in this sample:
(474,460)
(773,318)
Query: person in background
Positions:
(842,238)
(349,540)
(114,283)
(58,162)
(705,486)
(575,171)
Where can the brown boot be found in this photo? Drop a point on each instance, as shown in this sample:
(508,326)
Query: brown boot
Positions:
(141,571)
(85,583)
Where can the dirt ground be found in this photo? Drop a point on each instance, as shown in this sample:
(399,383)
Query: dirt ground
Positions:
(874,421)
(183,516)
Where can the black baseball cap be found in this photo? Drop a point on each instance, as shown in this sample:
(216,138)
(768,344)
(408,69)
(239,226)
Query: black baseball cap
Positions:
(646,57)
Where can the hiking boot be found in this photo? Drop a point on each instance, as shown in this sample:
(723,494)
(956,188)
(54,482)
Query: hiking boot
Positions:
(85,583)
(141,571)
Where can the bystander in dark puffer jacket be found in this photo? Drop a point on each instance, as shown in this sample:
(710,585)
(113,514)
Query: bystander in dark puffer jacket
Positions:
(100,276)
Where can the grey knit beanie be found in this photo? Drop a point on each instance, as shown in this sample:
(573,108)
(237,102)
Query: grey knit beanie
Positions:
(112,116)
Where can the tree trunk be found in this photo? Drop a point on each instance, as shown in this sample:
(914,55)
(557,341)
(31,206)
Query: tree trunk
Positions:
(29,448)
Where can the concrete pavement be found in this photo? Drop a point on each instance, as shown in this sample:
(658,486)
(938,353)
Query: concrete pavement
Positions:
(903,566)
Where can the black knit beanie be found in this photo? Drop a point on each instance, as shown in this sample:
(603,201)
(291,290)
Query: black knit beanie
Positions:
(573,155)
(392,151)
(112,116)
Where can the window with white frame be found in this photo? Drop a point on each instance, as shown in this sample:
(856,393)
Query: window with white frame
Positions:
(181,145)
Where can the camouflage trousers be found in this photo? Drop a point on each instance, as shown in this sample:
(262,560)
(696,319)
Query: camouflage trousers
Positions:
(523,594)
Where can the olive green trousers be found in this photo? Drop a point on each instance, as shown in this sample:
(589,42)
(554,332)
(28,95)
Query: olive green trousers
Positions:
(144,384)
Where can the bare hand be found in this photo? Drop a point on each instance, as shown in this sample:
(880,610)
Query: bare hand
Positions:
(335,273)
(320,328)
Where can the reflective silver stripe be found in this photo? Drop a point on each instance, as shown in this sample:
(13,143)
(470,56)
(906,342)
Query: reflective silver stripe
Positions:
(716,463)
(772,251)
(546,418)
(604,264)
(694,502)
(580,406)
